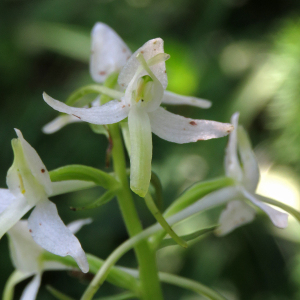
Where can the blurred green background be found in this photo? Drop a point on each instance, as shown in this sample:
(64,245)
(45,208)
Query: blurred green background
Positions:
(243,55)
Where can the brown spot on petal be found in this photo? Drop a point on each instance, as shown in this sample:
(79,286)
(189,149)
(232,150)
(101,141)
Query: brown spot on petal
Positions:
(30,230)
(154,42)
(76,116)
(142,52)
(123,50)
(165,71)
(228,131)
(43,170)
(154,49)
(40,224)
(193,123)
(122,84)
(123,106)
(102,73)
(200,140)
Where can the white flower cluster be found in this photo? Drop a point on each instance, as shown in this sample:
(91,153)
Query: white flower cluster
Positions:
(141,89)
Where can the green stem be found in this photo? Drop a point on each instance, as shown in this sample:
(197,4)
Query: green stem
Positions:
(190,196)
(57,294)
(161,220)
(14,278)
(85,173)
(191,285)
(150,284)
(207,202)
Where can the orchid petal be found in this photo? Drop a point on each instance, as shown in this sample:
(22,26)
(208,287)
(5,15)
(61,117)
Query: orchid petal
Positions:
(157,90)
(149,50)
(109,53)
(32,288)
(279,219)
(20,180)
(141,150)
(178,129)
(6,198)
(35,164)
(24,251)
(59,123)
(67,186)
(237,213)
(249,162)
(75,226)
(109,113)
(48,230)
(13,213)
(232,163)
(171,98)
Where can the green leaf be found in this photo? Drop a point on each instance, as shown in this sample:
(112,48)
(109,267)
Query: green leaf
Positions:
(187,237)
(57,294)
(106,197)
(85,173)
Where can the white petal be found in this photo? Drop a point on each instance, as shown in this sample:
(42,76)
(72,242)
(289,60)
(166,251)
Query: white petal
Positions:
(58,123)
(109,113)
(178,129)
(141,150)
(6,198)
(20,180)
(32,288)
(13,213)
(13,176)
(279,219)
(24,251)
(232,163)
(175,99)
(75,226)
(35,163)
(67,186)
(109,53)
(249,162)
(49,231)
(237,213)
(149,50)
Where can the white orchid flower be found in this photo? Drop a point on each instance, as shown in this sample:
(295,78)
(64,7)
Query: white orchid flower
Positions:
(27,258)
(144,79)
(29,186)
(241,165)
(109,54)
